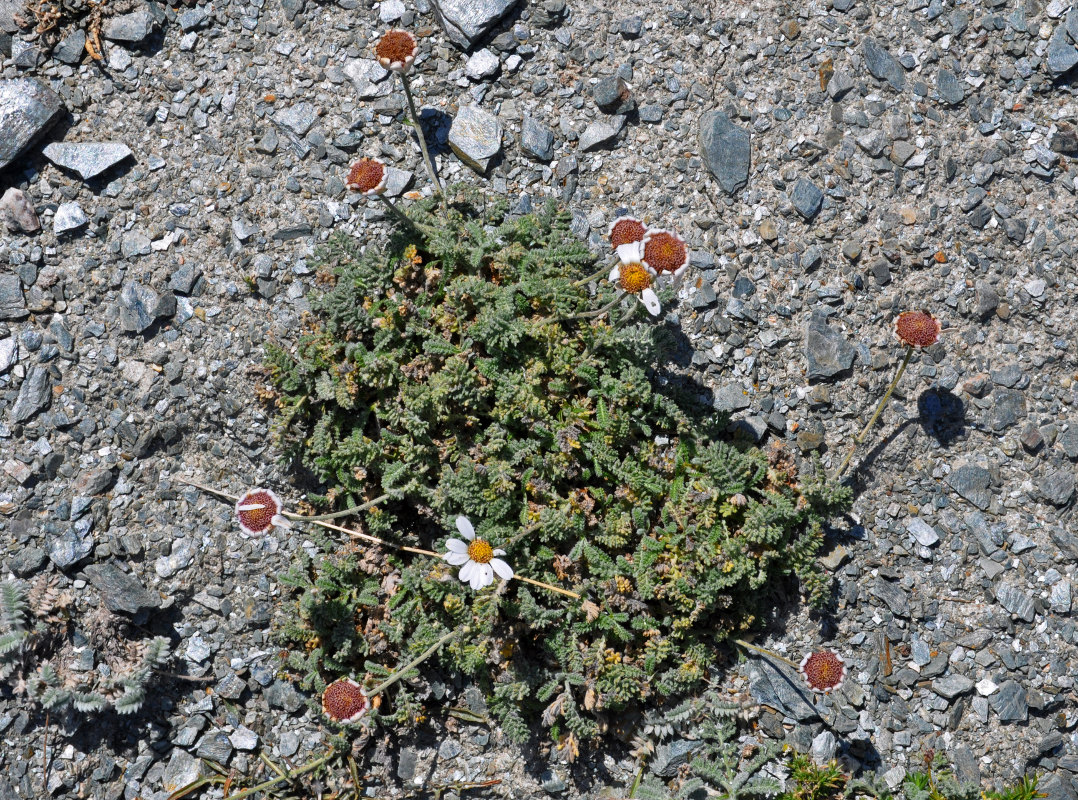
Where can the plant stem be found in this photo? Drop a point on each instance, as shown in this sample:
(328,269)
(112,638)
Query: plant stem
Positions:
(374,539)
(639,777)
(419,134)
(311,766)
(588,314)
(338,514)
(400,215)
(415,662)
(602,271)
(764,651)
(879,409)
(557,589)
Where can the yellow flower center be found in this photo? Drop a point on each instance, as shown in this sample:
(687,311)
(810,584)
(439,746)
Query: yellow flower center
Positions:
(634,278)
(480,552)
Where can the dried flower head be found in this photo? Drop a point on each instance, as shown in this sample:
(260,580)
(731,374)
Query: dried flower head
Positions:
(625,230)
(368,176)
(396,50)
(917,329)
(344,701)
(259,510)
(665,251)
(824,670)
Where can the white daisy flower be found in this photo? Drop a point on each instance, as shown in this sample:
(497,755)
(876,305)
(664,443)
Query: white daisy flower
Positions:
(635,277)
(476,558)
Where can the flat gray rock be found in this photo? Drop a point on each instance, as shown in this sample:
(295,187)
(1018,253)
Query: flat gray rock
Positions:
(971,482)
(807,199)
(1015,601)
(536,139)
(34,394)
(133,28)
(17,212)
(27,109)
(482,64)
(893,596)
(922,532)
(298,118)
(826,351)
(882,64)
(69,548)
(1062,55)
(12,302)
(120,590)
(949,87)
(1010,702)
(88,159)
(476,137)
(731,398)
(779,688)
(140,306)
(69,217)
(951,686)
(726,151)
(467,21)
(600,132)
(71,48)
(368,77)
(1057,486)
(9,353)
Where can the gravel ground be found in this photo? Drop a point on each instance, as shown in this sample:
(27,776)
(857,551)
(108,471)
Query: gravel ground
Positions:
(831,165)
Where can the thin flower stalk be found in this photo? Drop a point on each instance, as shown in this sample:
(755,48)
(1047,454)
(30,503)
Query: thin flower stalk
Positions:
(879,409)
(434,179)
(321,521)
(415,662)
(765,652)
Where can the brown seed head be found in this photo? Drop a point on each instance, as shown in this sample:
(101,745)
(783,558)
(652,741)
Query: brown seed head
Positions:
(345,701)
(665,251)
(256,510)
(823,670)
(917,329)
(396,50)
(368,175)
(625,230)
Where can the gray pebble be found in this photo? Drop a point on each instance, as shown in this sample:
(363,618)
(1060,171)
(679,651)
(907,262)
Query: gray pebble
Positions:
(536,139)
(826,350)
(951,686)
(482,64)
(466,22)
(807,199)
(28,108)
(34,394)
(476,137)
(882,64)
(971,482)
(726,151)
(88,159)
(1057,486)
(121,591)
(600,132)
(1010,702)
(69,218)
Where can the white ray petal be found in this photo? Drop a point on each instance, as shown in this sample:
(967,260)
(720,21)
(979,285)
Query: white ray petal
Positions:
(465,528)
(505,572)
(456,546)
(631,253)
(651,301)
(456,559)
(467,571)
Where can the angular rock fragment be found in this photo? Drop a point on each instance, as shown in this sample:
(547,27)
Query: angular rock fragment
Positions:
(476,137)
(27,109)
(88,159)
(725,149)
(467,21)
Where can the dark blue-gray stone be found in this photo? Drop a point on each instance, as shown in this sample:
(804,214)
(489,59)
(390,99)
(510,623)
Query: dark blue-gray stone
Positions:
(69,217)
(807,199)
(600,132)
(730,398)
(883,65)
(475,137)
(132,28)
(1008,407)
(779,688)
(726,151)
(1068,440)
(971,482)
(34,394)
(12,302)
(71,48)
(951,686)
(669,757)
(215,746)
(826,351)
(467,21)
(88,159)
(893,596)
(69,548)
(1057,486)
(120,590)
(298,118)
(536,139)
(1015,601)
(1010,703)
(27,109)
(949,87)
(1062,55)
